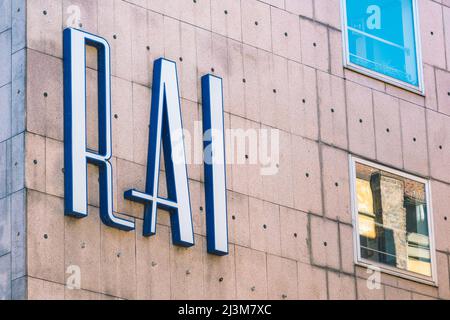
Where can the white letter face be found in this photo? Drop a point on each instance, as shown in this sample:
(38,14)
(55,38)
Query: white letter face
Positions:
(76,155)
(165,123)
(214,156)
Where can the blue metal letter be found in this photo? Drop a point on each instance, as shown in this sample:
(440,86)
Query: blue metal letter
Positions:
(76,155)
(215,176)
(166,127)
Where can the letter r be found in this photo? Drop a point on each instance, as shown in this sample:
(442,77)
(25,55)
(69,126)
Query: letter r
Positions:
(76,154)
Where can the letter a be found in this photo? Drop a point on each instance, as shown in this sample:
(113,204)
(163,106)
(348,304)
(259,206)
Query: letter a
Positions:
(166,133)
(374,21)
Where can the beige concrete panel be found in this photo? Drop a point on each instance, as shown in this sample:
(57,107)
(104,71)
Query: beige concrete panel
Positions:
(332,109)
(294,235)
(306,175)
(281,278)
(251,272)
(336,184)
(324,242)
(312,282)
(341,286)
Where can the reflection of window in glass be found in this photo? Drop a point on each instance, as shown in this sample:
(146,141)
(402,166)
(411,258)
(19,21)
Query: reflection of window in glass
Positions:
(381,38)
(392,220)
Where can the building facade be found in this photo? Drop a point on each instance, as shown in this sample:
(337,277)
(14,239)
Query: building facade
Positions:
(340,189)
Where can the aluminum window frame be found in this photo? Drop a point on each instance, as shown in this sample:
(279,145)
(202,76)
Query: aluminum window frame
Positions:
(420,89)
(358,260)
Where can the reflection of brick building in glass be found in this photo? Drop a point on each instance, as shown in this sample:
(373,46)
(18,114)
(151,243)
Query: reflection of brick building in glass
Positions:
(395,228)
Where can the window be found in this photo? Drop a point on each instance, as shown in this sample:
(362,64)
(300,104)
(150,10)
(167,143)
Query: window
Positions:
(381,39)
(392,221)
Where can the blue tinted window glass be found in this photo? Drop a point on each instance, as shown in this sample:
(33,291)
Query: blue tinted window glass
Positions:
(381,37)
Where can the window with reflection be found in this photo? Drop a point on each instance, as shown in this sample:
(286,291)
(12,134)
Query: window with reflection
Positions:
(393,222)
(381,37)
